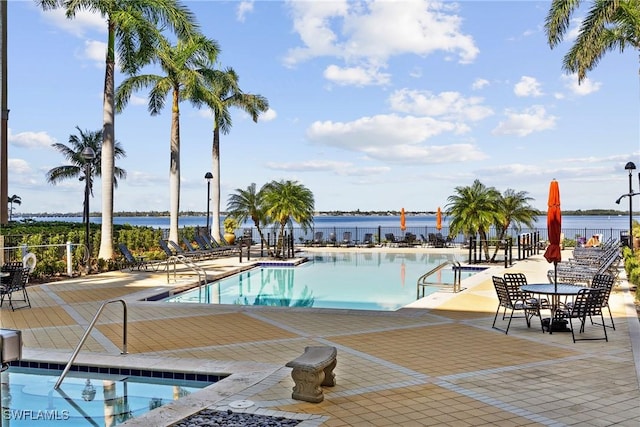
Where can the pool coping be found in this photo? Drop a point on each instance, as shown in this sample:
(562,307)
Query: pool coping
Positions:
(238,377)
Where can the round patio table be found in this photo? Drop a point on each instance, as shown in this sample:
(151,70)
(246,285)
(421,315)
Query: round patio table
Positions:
(554,291)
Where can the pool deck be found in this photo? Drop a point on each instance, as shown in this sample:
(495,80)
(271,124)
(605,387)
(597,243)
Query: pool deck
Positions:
(438,362)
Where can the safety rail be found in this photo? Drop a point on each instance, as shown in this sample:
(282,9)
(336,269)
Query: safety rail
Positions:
(422,282)
(184,260)
(86,335)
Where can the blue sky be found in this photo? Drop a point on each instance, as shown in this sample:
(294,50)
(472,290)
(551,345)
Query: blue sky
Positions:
(374,105)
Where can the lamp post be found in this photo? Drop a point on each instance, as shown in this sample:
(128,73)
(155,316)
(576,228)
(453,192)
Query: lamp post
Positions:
(88,155)
(630,166)
(208,176)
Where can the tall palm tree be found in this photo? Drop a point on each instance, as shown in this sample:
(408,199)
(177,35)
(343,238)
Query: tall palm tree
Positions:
(11,200)
(224,93)
(186,67)
(609,25)
(287,201)
(77,168)
(473,211)
(132,31)
(249,204)
(514,208)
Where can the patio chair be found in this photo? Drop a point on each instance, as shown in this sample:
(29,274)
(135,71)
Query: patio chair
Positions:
(317,239)
(518,280)
(333,240)
(202,248)
(137,263)
(346,239)
(511,297)
(16,282)
(589,303)
(604,282)
(393,241)
(179,251)
(367,240)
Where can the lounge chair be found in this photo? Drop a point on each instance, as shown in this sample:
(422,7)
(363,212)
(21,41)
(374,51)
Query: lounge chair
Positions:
(179,251)
(205,251)
(317,239)
(392,241)
(346,239)
(332,240)
(138,263)
(367,241)
(15,282)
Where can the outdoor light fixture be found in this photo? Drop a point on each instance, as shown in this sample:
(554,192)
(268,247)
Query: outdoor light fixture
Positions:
(208,176)
(88,155)
(630,166)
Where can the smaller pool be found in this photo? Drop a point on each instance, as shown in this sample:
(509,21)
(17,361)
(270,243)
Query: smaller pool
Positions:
(85,398)
(349,280)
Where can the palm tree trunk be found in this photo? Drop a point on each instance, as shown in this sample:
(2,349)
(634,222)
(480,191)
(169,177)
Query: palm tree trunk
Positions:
(174,169)
(215,197)
(108,151)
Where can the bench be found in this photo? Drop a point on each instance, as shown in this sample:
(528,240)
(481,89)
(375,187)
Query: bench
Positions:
(313,369)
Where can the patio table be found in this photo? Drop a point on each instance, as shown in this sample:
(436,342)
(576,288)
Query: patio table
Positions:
(555,292)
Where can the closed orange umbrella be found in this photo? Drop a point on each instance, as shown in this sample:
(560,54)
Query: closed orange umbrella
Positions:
(438,219)
(403,220)
(554,228)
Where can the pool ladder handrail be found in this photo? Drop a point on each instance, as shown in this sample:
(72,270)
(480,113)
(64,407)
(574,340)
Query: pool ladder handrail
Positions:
(457,278)
(184,260)
(86,335)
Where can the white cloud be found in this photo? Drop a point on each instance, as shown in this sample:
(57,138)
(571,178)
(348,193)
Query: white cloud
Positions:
(82,22)
(394,139)
(587,86)
(451,105)
(268,115)
(137,100)
(31,139)
(527,86)
(243,9)
(95,51)
(533,119)
(479,84)
(370,33)
(18,166)
(356,76)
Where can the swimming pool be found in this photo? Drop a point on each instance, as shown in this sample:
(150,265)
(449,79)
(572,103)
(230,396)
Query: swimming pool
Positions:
(85,398)
(350,280)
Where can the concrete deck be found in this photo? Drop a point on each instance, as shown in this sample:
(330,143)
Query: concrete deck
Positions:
(438,362)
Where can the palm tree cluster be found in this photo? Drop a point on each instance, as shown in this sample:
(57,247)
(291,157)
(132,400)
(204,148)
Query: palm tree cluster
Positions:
(476,208)
(137,34)
(278,204)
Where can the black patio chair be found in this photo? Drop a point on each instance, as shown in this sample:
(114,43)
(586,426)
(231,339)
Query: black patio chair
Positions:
(588,303)
(15,283)
(605,283)
(511,297)
(138,263)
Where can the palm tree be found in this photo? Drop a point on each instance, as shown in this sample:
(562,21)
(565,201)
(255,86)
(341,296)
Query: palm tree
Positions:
(224,93)
(287,201)
(77,168)
(474,210)
(609,25)
(514,208)
(132,30)
(186,67)
(249,204)
(11,200)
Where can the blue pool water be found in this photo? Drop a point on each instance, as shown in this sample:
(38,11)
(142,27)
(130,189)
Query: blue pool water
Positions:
(350,280)
(32,399)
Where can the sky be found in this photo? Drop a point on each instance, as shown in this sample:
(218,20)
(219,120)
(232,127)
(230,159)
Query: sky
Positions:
(374,105)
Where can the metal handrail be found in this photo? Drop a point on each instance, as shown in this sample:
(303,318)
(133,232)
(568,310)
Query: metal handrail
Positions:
(86,335)
(457,278)
(184,260)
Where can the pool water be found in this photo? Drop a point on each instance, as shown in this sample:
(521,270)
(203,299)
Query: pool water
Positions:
(349,280)
(83,399)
